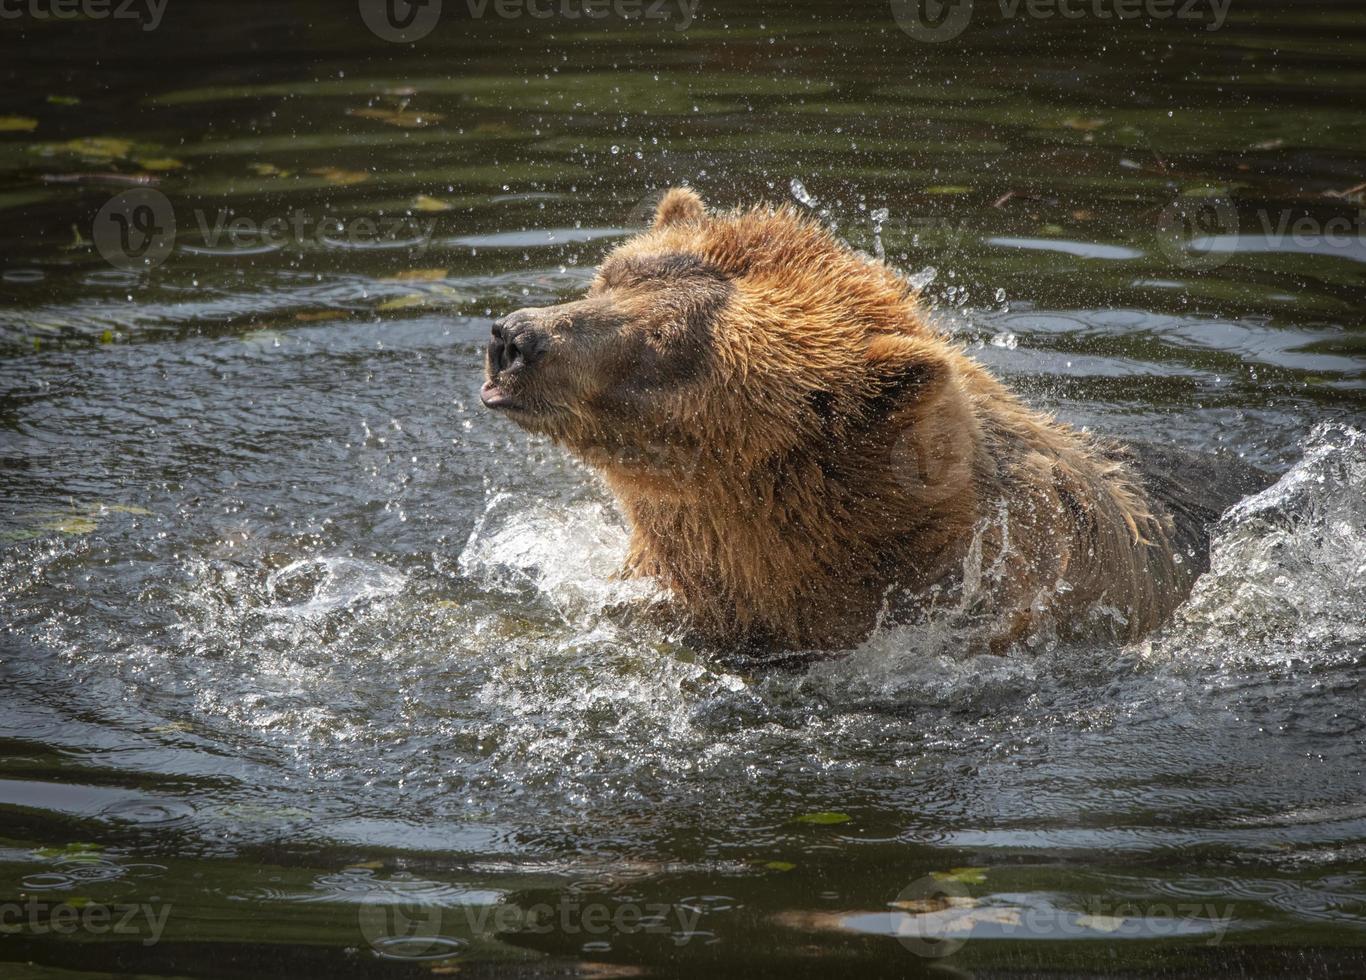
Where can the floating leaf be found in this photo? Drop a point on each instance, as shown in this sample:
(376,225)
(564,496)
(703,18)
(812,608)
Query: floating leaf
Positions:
(314,316)
(75,524)
(107,337)
(964,876)
(92,147)
(1202,191)
(63,100)
(17,536)
(425,202)
(824,818)
(437,295)
(267,338)
(405,302)
(74,851)
(404,118)
(267,170)
(779,865)
(123,509)
(418,275)
(336,175)
(934,903)
(17,124)
(159,163)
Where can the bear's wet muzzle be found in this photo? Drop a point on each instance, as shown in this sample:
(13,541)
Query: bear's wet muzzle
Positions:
(516,343)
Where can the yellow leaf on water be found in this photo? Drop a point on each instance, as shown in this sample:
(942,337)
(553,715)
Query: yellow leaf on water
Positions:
(403,118)
(425,202)
(405,302)
(70,525)
(264,337)
(965,876)
(159,163)
(336,175)
(823,818)
(935,903)
(267,170)
(107,337)
(118,509)
(418,275)
(94,147)
(17,124)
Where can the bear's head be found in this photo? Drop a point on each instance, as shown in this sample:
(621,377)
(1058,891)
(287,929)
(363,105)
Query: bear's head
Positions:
(715,340)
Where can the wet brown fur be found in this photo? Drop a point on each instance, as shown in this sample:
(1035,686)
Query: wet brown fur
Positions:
(799,452)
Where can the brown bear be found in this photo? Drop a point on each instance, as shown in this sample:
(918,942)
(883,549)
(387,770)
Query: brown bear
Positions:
(801,455)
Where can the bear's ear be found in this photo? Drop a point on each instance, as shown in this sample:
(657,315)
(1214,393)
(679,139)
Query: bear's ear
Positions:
(679,204)
(903,370)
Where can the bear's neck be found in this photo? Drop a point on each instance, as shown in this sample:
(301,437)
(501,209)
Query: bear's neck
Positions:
(792,552)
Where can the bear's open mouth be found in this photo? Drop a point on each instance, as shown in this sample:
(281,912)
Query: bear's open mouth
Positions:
(495,397)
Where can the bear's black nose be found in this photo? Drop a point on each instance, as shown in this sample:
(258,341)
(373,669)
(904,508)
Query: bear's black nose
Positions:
(516,342)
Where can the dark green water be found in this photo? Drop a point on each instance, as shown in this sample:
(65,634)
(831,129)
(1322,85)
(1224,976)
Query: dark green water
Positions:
(309,666)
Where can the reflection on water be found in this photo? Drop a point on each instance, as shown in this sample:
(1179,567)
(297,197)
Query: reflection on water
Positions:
(295,633)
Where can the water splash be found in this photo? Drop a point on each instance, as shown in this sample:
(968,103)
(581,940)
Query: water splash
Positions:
(1288,566)
(572,557)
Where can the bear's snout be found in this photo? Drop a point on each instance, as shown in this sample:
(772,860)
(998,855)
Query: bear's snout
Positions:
(516,343)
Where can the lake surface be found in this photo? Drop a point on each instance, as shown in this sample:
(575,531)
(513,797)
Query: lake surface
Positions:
(310,666)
